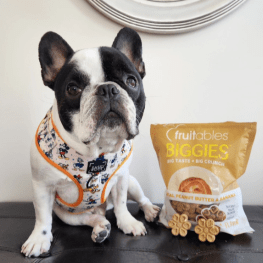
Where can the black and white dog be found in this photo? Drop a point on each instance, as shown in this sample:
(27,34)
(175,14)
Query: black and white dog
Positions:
(99,103)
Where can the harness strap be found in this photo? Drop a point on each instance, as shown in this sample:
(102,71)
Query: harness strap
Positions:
(80,197)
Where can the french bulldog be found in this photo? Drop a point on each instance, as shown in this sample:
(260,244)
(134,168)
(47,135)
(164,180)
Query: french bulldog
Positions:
(83,147)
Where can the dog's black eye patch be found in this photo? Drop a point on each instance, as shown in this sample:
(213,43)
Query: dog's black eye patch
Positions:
(69,104)
(80,78)
(70,73)
(118,68)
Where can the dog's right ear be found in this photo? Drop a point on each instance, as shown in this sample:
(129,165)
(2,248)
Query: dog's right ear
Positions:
(53,53)
(129,43)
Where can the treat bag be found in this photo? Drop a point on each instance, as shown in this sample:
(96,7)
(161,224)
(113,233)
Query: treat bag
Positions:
(200,164)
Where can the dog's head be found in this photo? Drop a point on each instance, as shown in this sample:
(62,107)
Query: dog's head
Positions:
(99,92)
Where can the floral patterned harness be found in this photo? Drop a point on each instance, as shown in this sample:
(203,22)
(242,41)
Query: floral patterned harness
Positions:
(91,177)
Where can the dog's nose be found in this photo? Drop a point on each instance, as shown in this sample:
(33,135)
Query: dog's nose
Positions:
(107,91)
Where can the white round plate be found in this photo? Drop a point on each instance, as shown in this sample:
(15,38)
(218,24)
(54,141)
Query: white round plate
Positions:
(165,16)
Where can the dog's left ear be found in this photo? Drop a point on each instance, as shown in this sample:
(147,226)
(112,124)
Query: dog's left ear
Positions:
(129,43)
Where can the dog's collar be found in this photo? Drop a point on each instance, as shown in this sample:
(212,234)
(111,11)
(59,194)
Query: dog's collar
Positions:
(91,177)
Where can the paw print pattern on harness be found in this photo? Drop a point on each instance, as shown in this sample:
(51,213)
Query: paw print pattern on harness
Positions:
(179,225)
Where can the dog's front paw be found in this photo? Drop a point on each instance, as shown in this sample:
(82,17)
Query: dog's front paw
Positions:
(37,243)
(150,211)
(101,232)
(129,225)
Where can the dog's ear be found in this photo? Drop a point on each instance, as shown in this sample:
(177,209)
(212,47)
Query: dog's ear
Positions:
(129,43)
(53,53)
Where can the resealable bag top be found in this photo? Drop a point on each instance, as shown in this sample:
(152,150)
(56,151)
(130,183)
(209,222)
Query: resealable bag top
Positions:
(200,164)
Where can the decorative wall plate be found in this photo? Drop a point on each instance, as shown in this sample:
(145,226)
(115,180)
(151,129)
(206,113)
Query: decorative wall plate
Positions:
(165,16)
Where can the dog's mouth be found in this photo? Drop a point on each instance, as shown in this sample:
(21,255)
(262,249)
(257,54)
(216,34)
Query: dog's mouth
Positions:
(111,114)
(111,120)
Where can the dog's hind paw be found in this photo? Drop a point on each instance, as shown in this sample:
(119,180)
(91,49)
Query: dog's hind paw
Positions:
(100,232)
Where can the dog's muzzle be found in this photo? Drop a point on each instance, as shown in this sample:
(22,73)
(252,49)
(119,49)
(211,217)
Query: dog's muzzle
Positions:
(111,109)
(110,99)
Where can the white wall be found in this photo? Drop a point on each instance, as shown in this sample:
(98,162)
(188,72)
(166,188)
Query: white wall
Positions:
(210,75)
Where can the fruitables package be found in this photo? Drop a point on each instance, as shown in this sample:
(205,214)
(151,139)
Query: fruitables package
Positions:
(200,164)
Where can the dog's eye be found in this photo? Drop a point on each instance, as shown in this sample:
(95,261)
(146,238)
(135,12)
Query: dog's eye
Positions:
(73,89)
(131,82)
